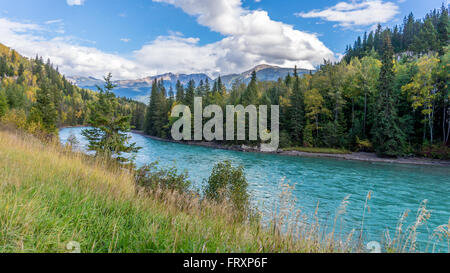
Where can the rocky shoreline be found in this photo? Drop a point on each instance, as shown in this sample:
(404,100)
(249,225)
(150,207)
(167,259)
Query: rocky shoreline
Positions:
(367,157)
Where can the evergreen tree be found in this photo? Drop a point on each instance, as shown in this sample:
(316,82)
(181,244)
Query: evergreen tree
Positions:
(20,75)
(250,96)
(443,29)
(180,92)
(152,110)
(162,111)
(378,42)
(288,80)
(221,87)
(108,136)
(426,40)
(190,94)
(3,104)
(200,89)
(388,139)
(408,31)
(297,110)
(207,87)
(171,94)
(370,42)
(45,107)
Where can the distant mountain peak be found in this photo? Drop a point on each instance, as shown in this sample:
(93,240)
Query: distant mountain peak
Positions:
(140,88)
(263,66)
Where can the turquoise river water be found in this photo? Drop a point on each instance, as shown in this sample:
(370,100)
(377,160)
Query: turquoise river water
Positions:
(395,188)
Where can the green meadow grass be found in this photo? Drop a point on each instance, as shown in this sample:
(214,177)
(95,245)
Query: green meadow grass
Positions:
(51,196)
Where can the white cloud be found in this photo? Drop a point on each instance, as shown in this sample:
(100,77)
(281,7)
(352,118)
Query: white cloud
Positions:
(64,51)
(250,38)
(125,40)
(356,13)
(75,2)
(51,22)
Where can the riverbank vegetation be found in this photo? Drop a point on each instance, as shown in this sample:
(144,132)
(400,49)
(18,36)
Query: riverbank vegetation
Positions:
(388,95)
(52,196)
(315,150)
(37,98)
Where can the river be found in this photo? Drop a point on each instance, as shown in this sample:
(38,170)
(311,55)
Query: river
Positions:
(395,187)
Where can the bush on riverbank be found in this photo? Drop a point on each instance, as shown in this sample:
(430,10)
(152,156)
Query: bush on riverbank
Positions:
(152,178)
(52,196)
(317,150)
(228,184)
(439,151)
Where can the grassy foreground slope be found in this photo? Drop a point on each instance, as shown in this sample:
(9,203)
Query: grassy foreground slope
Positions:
(50,197)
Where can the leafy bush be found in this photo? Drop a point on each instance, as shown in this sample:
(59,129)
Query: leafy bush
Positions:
(151,178)
(228,183)
(440,151)
(16,118)
(364,145)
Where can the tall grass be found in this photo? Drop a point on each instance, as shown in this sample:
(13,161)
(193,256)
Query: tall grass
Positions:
(51,196)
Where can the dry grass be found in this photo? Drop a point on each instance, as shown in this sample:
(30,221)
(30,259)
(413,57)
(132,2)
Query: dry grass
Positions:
(51,196)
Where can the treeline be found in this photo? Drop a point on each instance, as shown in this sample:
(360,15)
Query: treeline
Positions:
(393,106)
(414,36)
(36,97)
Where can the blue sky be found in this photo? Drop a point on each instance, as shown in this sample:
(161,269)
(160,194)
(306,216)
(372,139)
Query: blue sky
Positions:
(139,38)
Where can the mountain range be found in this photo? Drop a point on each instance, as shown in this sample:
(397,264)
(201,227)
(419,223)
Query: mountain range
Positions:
(140,89)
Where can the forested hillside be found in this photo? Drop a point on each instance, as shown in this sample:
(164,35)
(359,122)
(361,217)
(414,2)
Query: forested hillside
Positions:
(36,97)
(413,37)
(370,101)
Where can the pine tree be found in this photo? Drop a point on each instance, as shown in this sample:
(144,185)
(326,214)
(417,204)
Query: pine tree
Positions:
(443,29)
(3,104)
(426,40)
(378,42)
(180,92)
(370,42)
(171,94)
(297,110)
(221,87)
(397,40)
(250,96)
(408,31)
(152,110)
(45,107)
(190,94)
(207,87)
(20,75)
(288,80)
(388,139)
(108,136)
(200,89)
(162,112)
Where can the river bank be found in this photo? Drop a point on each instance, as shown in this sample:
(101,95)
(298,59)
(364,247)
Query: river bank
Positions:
(366,157)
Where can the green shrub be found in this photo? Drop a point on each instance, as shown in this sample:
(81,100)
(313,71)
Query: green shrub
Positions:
(285,139)
(151,178)
(439,151)
(228,184)
(364,145)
